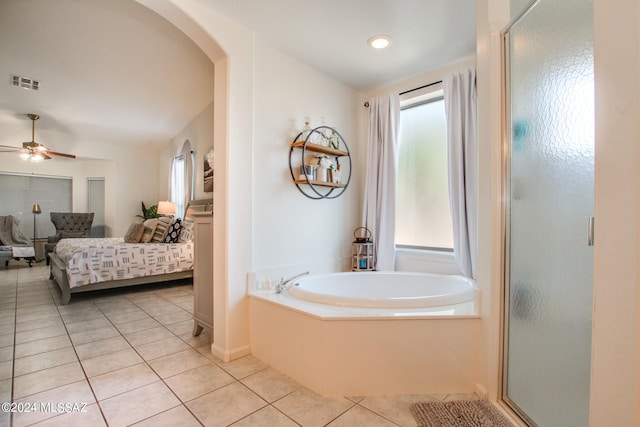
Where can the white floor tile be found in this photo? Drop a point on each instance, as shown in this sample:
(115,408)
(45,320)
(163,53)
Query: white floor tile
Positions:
(225,405)
(126,341)
(139,404)
(123,380)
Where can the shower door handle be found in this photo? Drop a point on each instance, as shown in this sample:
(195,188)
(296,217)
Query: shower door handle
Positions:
(590,231)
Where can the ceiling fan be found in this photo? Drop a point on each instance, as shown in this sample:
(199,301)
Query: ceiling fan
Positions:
(32,150)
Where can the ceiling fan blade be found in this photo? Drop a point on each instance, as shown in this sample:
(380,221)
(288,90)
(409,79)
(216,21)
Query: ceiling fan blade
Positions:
(34,150)
(54,153)
(8,148)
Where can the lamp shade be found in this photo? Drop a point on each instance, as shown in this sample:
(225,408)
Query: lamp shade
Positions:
(36,209)
(166,208)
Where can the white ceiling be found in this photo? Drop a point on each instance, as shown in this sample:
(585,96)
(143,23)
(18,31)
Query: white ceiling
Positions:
(331,35)
(115,72)
(111,71)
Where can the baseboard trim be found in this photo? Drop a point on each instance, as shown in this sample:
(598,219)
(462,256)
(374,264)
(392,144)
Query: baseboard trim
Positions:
(481,391)
(229,355)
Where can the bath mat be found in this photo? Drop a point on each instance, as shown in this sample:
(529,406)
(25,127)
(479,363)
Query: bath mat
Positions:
(458,413)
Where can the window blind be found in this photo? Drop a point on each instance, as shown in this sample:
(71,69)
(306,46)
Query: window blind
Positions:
(18,194)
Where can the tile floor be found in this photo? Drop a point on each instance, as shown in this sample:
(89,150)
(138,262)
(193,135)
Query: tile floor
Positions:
(127,357)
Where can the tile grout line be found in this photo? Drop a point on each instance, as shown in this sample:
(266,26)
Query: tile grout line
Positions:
(98,401)
(102,308)
(147,361)
(13,361)
(15,329)
(64,324)
(184,404)
(236,379)
(73,345)
(375,413)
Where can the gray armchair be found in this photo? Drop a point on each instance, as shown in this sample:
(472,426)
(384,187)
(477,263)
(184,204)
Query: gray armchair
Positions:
(68,225)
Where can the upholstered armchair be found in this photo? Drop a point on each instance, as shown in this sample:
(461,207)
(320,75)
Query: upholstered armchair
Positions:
(68,225)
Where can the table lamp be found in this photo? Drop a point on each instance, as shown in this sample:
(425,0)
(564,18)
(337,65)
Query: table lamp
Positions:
(166,208)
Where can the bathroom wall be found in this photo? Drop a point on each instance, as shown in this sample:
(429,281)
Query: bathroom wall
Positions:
(492,16)
(242,139)
(615,365)
(293,233)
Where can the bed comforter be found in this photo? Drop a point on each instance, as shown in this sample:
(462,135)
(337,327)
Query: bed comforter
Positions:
(95,260)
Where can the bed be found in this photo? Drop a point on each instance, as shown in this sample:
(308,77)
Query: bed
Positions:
(89,264)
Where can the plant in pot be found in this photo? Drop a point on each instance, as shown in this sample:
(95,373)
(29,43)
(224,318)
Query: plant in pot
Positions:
(150,212)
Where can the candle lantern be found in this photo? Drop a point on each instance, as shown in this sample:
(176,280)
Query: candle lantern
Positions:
(362,250)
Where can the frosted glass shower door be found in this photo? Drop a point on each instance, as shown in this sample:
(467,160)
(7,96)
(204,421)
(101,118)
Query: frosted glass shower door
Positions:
(550,192)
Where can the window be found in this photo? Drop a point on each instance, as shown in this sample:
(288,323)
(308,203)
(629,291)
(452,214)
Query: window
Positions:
(182,178)
(423,216)
(177,184)
(20,192)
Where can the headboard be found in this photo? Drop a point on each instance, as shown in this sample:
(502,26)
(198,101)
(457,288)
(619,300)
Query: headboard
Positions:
(197,206)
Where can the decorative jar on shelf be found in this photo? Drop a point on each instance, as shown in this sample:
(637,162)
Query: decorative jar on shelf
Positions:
(321,174)
(335,174)
(306,130)
(323,165)
(307,172)
(334,142)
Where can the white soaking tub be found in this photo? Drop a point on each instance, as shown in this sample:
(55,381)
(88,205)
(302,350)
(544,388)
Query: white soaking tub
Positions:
(371,333)
(383,289)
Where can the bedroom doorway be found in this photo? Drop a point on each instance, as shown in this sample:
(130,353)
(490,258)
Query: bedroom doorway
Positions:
(95,203)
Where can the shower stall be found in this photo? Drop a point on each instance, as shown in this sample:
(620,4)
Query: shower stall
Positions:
(549,205)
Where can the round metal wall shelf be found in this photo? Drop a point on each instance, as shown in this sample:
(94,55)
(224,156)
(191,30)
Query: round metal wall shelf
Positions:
(320,141)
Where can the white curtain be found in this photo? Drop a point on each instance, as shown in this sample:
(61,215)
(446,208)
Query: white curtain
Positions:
(183,178)
(177,184)
(380,185)
(460,98)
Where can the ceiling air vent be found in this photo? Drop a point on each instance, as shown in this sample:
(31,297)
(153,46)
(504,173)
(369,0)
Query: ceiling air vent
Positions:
(25,82)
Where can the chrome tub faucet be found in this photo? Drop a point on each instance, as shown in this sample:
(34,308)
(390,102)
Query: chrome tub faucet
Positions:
(282,285)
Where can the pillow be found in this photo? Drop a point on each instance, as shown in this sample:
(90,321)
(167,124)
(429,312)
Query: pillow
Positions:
(161,229)
(149,229)
(186,232)
(134,233)
(174,231)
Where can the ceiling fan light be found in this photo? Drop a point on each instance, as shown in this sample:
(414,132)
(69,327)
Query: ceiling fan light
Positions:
(35,152)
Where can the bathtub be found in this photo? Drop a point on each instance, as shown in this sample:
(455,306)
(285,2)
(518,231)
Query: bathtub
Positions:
(346,334)
(384,289)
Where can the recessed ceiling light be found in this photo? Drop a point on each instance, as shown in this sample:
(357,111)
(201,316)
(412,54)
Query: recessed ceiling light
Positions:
(379,42)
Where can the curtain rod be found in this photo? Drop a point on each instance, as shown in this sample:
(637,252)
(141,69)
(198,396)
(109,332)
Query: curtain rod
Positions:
(421,87)
(366,104)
